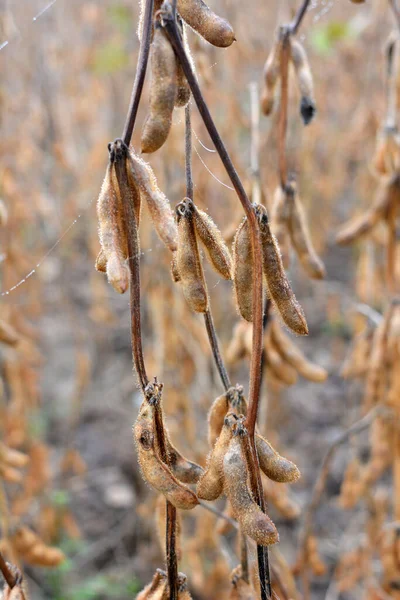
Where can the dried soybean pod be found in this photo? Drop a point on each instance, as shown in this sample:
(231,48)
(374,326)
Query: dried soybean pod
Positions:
(8,335)
(101,262)
(280,369)
(183,88)
(183,469)
(162,92)
(154,471)
(294,357)
(152,590)
(216,416)
(279,288)
(241,590)
(237,401)
(216,30)
(214,245)
(174,269)
(112,233)
(301,240)
(356,228)
(188,259)
(243,268)
(158,204)
(211,483)
(357,360)
(275,466)
(305,80)
(250,517)
(376,374)
(271,78)
(279,224)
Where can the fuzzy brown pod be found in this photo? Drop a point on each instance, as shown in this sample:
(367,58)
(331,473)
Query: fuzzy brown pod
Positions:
(33,550)
(386,160)
(273,465)
(216,30)
(271,75)
(183,89)
(280,369)
(277,495)
(243,270)
(157,203)
(388,193)
(300,236)
(8,335)
(252,520)
(157,589)
(188,259)
(279,224)
(210,236)
(294,357)
(352,487)
(233,401)
(279,289)
(183,469)
(154,471)
(3,213)
(237,347)
(18,591)
(377,372)
(241,589)
(211,483)
(357,360)
(163,92)
(304,77)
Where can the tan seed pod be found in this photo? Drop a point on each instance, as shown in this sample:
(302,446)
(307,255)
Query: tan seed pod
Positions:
(163,92)
(174,269)
(214,245)
(44,556)
(158,204)
(241,590)
(388,193)
(294,357)
(216,417)
(386,160)
(357,361)
(154,471)
(301,65)
(216,30)
(281,370)
(237,348)
(13,458)
(8,335)
(252,520)
(273,465)
(279,289)
(277,495)
(188,260)
(3,213)
(112,233)
(183,469)
(300,238)
(243,269)
(101,262)
(271,78)
(279,224)
(211,483)
(157,588)
(376,375)
(183,88)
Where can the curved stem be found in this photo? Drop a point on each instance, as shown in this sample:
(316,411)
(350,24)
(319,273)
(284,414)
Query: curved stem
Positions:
(295,24)
(141,68)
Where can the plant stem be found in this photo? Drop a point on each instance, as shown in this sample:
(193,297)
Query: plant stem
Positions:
(141,68)
(283,110)
(8,576)
(255,366)
(295,24)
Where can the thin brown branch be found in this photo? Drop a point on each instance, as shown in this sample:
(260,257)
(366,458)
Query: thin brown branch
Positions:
(295,24)
(218,513)
(283,109)
(7,574)
(255,366)
(141,68)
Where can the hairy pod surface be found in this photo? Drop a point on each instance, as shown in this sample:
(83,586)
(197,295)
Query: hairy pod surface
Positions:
(301,239)
(158,204)
(188,259)
(283,371)
(182,85)
(294,357)
(183,469)
(243,270)
(273,465)
(216,30)
(156,589)
(241,590)
(154,471)
(210,236)
(279,224)
(211,483)
(216,416)
(301,65)
(278,285)
(163,92)
(271,77)
(252,520)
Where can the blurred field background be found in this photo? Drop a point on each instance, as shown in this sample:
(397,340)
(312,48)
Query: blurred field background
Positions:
(69,396)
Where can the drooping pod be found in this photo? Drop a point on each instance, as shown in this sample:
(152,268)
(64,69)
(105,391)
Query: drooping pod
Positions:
(252,520)
(182,85)
(162,93)
(154,471)
(216,416)
(279,224)
(214,245)
(386,160)
(304,79)
(8,335)
(294,357)
(273,465)
(211,483)
(188,260)
(216,30)
(243,270)
(280,369)
(279,289)
(300,237)
(183,469)
(112,234)
(174,269)
(241,590)
(158,204)
(156,589)
(271,77)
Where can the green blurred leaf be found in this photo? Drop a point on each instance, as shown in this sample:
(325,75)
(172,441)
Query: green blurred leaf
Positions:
(325,37)
(121,17)
(110,58)
(60,497)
